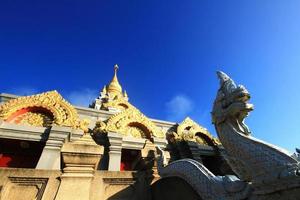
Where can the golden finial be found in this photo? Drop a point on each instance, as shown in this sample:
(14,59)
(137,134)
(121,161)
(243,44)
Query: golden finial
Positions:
(116,67)
(114,86)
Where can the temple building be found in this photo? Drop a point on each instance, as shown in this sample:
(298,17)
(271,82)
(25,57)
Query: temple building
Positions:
(51,149)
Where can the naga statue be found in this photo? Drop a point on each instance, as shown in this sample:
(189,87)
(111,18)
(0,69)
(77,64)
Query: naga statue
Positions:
(264,171)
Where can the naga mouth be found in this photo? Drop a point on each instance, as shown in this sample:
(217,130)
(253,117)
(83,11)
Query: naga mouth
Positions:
(239,99)
(248,107)
(242,97)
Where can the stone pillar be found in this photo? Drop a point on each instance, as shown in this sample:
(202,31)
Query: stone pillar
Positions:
(50,157)
(115,151)
(80,159)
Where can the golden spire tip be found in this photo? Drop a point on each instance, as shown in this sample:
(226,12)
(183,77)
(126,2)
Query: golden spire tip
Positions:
(116,67)
(114,86)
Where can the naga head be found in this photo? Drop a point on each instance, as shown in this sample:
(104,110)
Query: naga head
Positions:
(231,104)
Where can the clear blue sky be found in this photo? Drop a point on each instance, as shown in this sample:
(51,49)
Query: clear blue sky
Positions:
(168,52)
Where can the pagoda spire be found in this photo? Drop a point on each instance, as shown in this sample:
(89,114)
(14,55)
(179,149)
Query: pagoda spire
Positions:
(111,97)
(114,86)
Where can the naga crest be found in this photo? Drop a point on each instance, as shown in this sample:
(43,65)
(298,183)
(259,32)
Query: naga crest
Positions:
(231,103)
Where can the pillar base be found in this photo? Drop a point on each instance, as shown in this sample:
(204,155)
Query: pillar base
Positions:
(80,159)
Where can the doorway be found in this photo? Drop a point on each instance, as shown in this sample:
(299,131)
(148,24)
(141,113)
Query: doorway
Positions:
(129,159)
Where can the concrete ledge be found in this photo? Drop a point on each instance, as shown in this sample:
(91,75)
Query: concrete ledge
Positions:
(23,132)
(133,143)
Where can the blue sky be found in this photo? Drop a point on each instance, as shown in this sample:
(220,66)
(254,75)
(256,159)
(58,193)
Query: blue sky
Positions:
(167,51)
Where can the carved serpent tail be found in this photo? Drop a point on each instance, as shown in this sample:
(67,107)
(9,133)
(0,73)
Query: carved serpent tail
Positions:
(206,184)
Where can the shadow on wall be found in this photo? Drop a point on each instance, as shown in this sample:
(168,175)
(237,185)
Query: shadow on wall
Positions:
(140,190)
(143,178)
(147,186)
(102,139)
(173,188)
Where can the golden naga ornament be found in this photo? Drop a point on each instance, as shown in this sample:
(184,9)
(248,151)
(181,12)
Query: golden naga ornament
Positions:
(130,122)
(188,130)
(42,109)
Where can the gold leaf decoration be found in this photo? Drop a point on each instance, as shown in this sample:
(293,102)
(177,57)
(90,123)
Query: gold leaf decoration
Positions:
(188,130)
(119,103)
(34,119)
(50,104)
(130,122)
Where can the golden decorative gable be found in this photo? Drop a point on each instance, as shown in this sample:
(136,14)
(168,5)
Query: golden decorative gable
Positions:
(41,110)
(119,103)
(188,130)
(131,122)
